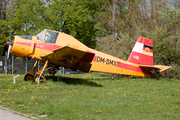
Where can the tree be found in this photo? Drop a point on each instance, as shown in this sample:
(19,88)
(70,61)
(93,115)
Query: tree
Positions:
(159,21)
(155,19)
(3,27)
(25,17)
(166,38)
(116,28)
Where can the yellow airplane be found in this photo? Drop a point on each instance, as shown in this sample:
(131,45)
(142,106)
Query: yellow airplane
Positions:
(54,49)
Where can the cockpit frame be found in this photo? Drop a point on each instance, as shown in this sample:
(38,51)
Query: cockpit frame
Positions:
(48,36)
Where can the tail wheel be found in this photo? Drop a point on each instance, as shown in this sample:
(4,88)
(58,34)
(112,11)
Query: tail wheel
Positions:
(28,77)
(36,77)
(52,72)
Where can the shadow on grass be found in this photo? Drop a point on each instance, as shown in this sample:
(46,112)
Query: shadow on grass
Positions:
(73,81)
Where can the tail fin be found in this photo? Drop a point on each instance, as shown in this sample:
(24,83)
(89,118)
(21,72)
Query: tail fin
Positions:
(142,52)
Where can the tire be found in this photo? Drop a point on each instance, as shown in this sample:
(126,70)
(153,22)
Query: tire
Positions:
(36,77)
(28,77)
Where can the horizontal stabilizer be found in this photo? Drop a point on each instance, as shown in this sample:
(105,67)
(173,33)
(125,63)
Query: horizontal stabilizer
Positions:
(161,68)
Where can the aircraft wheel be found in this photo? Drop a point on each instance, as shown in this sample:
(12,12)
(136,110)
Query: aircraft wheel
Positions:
(36,77)
(28,77)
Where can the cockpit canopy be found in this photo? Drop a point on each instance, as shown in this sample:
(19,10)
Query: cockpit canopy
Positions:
(48,36)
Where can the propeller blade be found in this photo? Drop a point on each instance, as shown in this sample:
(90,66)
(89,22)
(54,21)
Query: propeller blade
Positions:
(9,49)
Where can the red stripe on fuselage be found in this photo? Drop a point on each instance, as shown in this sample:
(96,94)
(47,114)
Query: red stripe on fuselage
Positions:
(49,47)
(43,46)
(133,68)
(95,58)
(129,67)
(22,43)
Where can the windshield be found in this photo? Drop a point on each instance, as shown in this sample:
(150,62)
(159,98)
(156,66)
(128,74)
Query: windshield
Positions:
(50,36)
(40,35)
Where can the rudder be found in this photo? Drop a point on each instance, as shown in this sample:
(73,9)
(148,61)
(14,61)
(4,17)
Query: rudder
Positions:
(142,52)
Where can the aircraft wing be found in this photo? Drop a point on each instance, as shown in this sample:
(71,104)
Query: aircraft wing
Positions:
(71,56)
(155,67)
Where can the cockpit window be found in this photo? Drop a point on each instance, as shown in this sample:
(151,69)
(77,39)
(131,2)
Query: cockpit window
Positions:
(50,36)
(40,35)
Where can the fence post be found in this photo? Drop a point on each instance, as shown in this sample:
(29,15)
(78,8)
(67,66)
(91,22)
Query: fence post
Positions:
(63,70)
(25,66)
(12,64)
(5,63)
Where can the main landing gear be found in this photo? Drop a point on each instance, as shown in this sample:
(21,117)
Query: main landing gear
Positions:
(38,77)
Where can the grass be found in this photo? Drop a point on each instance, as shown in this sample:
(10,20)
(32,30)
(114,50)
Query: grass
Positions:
(92,97)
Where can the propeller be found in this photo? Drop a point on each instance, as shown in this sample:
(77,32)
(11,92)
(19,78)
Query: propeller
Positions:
(9,48)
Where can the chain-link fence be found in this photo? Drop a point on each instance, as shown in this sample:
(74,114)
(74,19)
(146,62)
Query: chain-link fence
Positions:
(2,64)
(15,66)
(22,66)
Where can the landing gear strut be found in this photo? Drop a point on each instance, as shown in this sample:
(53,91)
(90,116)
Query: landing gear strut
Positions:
(38,77)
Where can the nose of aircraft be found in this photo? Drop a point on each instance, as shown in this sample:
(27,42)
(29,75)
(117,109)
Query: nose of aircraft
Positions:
(22,46)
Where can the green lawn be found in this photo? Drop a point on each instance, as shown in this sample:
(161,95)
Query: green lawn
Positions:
(93,97)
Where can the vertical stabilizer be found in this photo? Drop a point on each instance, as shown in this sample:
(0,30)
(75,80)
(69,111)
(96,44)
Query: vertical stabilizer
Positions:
(142,52)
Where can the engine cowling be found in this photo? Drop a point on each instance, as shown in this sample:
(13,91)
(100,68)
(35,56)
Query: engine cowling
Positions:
(22,47)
